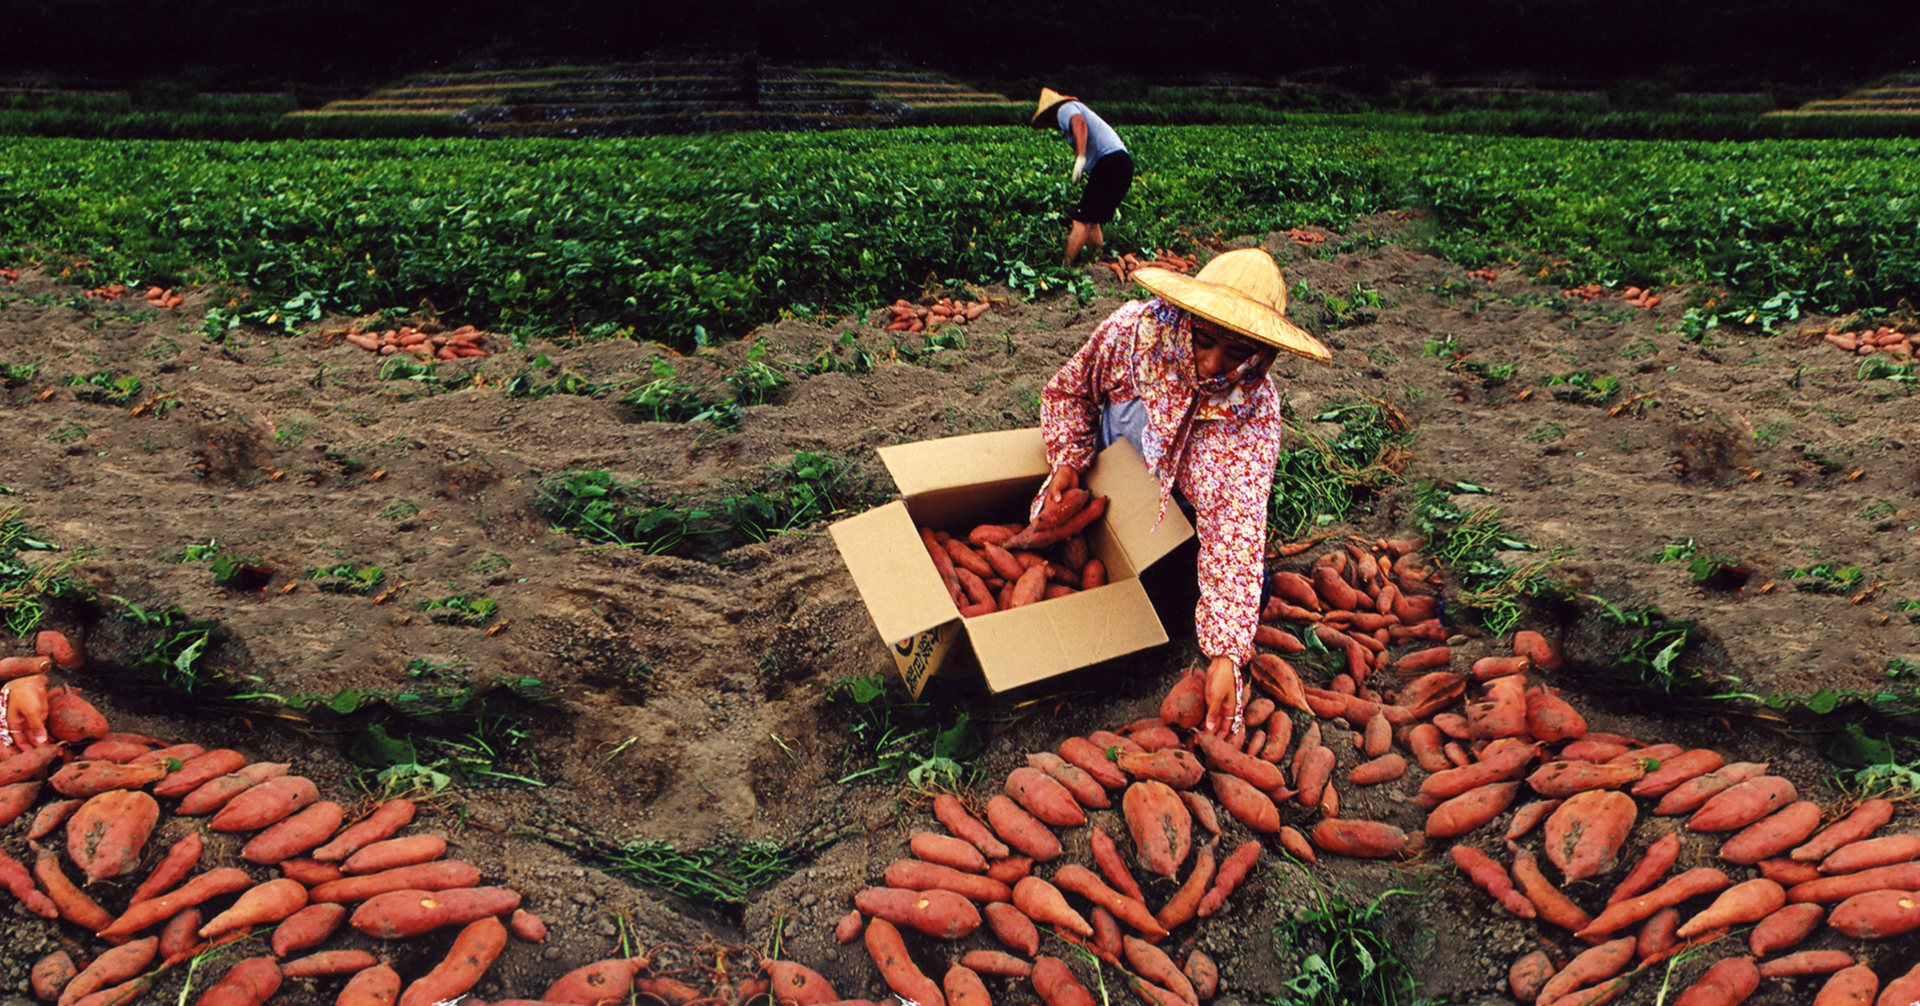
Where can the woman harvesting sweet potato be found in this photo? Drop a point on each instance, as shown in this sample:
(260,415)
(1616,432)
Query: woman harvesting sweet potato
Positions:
(1183,378)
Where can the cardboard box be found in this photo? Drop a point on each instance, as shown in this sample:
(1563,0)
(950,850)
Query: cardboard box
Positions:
(957,483)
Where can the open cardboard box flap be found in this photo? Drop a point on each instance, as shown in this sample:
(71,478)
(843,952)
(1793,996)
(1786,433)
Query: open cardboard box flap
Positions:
(955,483)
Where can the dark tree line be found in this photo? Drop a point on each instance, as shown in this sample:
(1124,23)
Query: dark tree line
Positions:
(270,44)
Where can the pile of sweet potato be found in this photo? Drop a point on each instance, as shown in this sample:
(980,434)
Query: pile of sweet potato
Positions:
(998,567)
(906,316)
(1867,342)
(458,344)
(309,866)
(1124,266)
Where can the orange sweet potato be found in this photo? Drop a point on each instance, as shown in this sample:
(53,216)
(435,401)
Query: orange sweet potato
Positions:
(953,816)
(1897,877)
(1280,680)
(1565,778)
(1426,741)
(1009,870)
(73,719)
(1153,964)
(604,981)
(947,851)
(1088,757)
(1113,866)
(1529,974)
(1620,914)
(1185,903)
(308,927)
(249,983)
(1359,839)
(196,771)
(268,803)
(1312,767)
(1676,770)
(439,875)
(393,853)
(1044,797)
(74,905)
(1492,878)
(1592,966)
(1084,882)
(91,778)
(1742,804)
(1297,845)
(1202,808)
(1690,795)
(1727,983)
(328,962)
(962,987)
(1470,810)
(995,962)
(889,953)
(16,798)
(1248,805)
(1855,986)
(1056,985)
(1160,824)
(1865,820)
(473,952)
(1535,647)
(1807,962)
(1488,668)
(111,968)
(1012,927)
(1872,852)
(1043,902)
(1177,767)
(312,872)
(1773,834)
(1548,901)
(51,973)
(213,794)
(380,986)
(940,914)
(399,915)
(383,823)
(1528,818)
(1656,935)
(1496,764)
(1185,704)
(295,836)
(1021,830)
(1233,870)
(1550,718)
(1583,837)
(1086,790)
(1650,869)
(1785,927)
(1222,756)
(1876,915)
(106,835)
(920,875)
(262,904)
(1737,905)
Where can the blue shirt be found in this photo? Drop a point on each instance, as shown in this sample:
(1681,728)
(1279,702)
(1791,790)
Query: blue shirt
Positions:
(1101,139)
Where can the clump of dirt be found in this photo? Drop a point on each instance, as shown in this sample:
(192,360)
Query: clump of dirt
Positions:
(699,703)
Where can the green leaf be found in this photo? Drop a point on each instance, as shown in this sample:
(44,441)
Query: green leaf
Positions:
(1853,747)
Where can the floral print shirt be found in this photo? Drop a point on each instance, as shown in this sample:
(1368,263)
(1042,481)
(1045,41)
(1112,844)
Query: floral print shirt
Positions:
(1218,441)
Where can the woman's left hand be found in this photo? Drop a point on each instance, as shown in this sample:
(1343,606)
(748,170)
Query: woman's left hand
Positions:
(1223,698)
(25,700)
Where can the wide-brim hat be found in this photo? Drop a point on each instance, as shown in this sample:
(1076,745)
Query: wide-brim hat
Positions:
(1048,99)
(1241,290)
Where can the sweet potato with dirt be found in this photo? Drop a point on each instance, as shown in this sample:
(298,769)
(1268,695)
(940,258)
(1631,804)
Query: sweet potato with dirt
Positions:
(920,875)
(1651,868)
(268,803)
(212,795)
(393,853)
(1113,865)
(1854,986)
(1787,872)
(1086,790)
(962,987)
(603,982)
(1021,830)
(1185,903)
(328,962)
(1784,928)
(1738,905)
(1084,882)
(1090,758)
(947,851)
(16,798)
(249,983)
(1690,795)
(472,953)
(937,913)
(1492,878)
(111,968)
(1056,984)
(1528,817)
(1557,779)
(1552,719)
(380,986)
(1656,935)
(107,834)
(1870,853)
(1897,877)
(73,719)
(525,925)
(74,905)
(1470,810)
(1161,826)
(399,915)
(1012,927)
(1496,764)
(297,835)
(1863,821)
(265,903)
(994,962)
(1674,771)
(1359,839)
(1620,914)
(1807,962)
(439,875)
(1727,983)
(1221,756)
(1529,975)
(1233,870)
(28,765)
(889,953)
(1772,835)
(198,770)
(1312,767)
(1153,964)
(1592,966)
(1044,797)
(1176,767)
(1742,804)
(1185,704)
(1584,837)
(953,816)
(1549,902)
(91,778)
(1534,646)
(1043,902)
(1425,741)
(51,973)
(1876,915)
(385,821)
(1248,805)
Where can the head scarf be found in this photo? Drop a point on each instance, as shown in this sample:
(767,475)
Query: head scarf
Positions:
(1165,377)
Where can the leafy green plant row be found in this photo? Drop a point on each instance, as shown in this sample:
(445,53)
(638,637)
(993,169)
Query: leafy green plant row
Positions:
(689,239)
(1469,542)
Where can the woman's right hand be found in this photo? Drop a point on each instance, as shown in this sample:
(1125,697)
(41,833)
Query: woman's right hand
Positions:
(1061,480)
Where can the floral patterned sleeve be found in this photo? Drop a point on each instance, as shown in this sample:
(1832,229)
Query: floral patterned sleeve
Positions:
(1070,404)
(1228,475)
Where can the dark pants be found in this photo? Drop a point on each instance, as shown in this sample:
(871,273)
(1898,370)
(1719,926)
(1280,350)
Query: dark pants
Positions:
(1107,184)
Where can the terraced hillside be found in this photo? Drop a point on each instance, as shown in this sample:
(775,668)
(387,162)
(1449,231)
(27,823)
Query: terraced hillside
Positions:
(681,96)
(1897,98)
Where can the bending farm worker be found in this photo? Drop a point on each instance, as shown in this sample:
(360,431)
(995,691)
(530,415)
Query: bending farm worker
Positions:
(1183,378)
(1098,155)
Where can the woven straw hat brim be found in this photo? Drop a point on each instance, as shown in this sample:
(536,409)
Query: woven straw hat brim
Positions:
(1229,307)
(1049,100)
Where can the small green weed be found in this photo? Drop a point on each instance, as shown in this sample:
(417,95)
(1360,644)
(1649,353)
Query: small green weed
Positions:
(399,509)
(1640,349)
(104,387)
(67,433)
(890,740)
(830,360)
(668,399)
(1715,572)
(1347,954)
(1492,375)
(1547,432)
(1468,542)
(726,874)
(460,609)
(1824,578)
(1877,509)
(1650,655)
(1444,347)
(755,381)
(1581,387)
(1768,434)
(175,648)
(1358,308)
(348,578)
(25,587)
(1880,368)
(14,375)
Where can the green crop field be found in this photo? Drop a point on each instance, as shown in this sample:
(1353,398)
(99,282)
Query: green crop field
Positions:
(681,239)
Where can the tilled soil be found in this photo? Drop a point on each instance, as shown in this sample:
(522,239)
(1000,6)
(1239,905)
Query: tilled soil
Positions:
(693,702)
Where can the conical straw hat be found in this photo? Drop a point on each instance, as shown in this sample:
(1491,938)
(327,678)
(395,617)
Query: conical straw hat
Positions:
(1048,98)
(1242,290)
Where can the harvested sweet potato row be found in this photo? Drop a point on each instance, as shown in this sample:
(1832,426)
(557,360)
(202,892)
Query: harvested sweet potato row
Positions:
(1620,914)
(1044,797)
(199,770)
(1774,834)
(393,853)
(1786,927)
(439,875)
(329,962)
(386,820)
(1185,903)
(399,915)
(111,968)
(1021,830)
(938,913)
(1651,868)
(1086,790)
(213,794)
(1084,882)
(265,903)
(106,835)
(1492,878)
(295,836)
(920,875)
(1865,820)
(91,778)
(268,803)
(249,983)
